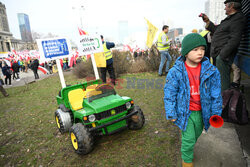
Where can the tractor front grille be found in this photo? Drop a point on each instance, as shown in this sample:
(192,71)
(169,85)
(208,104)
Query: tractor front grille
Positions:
(110,112)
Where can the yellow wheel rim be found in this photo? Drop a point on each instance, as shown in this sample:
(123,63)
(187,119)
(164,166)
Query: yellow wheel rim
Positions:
(57,122)
(74,141)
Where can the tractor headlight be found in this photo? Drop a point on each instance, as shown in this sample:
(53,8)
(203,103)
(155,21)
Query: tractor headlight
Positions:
(128,105)
(91,118)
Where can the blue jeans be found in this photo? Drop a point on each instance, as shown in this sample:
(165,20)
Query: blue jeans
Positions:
(164,55)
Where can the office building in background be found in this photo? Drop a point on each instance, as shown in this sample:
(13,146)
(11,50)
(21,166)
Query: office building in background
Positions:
(214,9)
(24,26)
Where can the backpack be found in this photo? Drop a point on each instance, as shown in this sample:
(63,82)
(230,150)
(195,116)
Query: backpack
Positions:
(234,106)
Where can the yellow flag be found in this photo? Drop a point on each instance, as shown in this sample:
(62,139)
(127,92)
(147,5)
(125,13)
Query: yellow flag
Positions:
(151,33)
(100,59)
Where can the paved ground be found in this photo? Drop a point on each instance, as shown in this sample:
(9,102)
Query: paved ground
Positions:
(228,146)
(26,78)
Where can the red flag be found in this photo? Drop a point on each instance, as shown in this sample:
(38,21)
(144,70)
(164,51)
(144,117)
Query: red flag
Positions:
(71,61)
(81,32)
(88,56)
(61,62)
(77,55)
(13,50)
(130,49)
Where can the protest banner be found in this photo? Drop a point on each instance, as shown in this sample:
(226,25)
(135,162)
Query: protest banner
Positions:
(89,44)
(54,49)
(3,54)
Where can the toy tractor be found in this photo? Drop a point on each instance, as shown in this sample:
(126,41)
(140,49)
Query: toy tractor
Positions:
(91,108)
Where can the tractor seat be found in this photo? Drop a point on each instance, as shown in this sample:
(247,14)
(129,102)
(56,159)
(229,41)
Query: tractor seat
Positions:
(76,98)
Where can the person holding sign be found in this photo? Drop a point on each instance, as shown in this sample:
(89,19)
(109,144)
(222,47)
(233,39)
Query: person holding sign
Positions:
(109,61)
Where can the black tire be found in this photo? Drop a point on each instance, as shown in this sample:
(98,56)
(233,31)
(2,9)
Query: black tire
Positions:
(63,120)
(81,139)
(135,124)
(63,108)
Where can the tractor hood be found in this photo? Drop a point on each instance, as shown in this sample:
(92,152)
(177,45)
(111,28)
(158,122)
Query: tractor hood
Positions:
(105,103)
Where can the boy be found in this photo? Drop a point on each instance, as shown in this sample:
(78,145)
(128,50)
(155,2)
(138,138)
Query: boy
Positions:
(192,93)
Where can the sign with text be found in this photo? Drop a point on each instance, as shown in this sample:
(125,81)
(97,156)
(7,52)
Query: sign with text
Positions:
(90,44)
(3,54)
(53,48)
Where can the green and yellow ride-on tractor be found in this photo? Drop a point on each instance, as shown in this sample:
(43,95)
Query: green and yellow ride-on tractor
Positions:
(91,108)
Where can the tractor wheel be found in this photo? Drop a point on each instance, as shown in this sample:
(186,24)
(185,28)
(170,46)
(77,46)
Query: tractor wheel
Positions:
(81,139)
(136,121)
(63,120)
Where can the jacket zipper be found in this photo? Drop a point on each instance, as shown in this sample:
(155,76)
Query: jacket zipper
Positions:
(187,109)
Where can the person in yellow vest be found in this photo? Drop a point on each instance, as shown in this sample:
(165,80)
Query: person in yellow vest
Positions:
(64,64)
(109,62)
(163,45)
(207,35)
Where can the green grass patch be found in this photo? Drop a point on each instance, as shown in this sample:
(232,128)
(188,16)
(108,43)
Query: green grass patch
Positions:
(29,135)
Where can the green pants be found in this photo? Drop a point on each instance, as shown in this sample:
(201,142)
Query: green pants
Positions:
(190,136)
(224,68)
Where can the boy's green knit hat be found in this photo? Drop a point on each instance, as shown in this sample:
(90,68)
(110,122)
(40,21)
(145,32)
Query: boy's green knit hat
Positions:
(190,42)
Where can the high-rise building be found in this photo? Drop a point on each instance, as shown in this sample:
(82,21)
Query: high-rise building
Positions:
(24,26)
(173,33)
(5,35)
(214,9)
(122,30)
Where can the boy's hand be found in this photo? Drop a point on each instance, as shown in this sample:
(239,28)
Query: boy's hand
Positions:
(173,120)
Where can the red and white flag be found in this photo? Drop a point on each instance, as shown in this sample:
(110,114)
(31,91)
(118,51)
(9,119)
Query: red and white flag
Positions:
(81,32)
(44,70)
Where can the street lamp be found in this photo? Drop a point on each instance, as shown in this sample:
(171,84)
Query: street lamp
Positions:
(80,13)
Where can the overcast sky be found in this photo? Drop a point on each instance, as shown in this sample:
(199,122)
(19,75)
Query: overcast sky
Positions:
(62,17)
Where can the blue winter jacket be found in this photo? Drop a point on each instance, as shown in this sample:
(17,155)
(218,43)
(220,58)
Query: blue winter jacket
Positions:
(177,93)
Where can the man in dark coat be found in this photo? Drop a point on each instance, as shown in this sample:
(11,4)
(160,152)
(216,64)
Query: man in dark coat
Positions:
(7,73)
(226,39)
(15,68)
(34,67)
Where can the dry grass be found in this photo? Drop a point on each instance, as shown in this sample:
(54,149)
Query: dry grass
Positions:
(124,63)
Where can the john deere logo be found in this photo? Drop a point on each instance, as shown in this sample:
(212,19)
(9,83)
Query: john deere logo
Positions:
(112,112)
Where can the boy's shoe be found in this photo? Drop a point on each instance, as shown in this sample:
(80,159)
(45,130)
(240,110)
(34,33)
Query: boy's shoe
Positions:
(185,164)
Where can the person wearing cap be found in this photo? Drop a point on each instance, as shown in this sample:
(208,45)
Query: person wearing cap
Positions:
(163,44)
(194,31)
(226,38)
(192,94)
(109,62)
